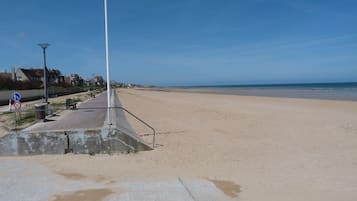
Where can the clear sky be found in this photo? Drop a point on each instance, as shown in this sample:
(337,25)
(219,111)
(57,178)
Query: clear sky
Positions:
(186,42)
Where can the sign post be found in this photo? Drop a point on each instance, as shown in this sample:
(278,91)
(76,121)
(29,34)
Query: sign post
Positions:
(17,105)
(16,97)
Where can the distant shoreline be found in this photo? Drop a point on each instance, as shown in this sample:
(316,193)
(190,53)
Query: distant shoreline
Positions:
(275,85)
(320,91)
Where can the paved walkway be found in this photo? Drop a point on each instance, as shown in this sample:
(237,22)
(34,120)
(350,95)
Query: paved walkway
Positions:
(27,181)
(84,117)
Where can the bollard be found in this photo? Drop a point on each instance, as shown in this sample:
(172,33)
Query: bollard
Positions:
(40,111)
(68,102)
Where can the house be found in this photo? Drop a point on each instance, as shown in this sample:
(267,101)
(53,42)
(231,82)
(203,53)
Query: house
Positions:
(98,81)
(54,76)
(74,80)
(5,75)
(23,74)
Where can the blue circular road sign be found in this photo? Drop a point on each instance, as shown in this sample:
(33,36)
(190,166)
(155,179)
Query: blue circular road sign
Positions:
(16,96)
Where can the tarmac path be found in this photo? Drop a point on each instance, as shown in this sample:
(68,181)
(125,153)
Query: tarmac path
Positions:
(84,117)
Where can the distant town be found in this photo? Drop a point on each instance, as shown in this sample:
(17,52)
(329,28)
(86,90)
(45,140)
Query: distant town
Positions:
(32,78)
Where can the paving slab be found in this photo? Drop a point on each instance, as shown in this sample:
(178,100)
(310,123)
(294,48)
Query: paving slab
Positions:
(28,181)
(174,189)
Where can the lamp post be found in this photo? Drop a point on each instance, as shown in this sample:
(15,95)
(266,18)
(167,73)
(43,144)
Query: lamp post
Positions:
(107,61)
(44,46)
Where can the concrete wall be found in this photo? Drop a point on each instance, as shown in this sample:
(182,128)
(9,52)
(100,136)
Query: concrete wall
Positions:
(5,95)
(31,144)
(28,95)
(120,120)
(105,141)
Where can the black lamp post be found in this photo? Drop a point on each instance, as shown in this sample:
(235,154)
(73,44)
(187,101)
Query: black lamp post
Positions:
(45,91)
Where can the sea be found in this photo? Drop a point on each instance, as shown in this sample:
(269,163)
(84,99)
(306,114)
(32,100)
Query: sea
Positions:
(329,91)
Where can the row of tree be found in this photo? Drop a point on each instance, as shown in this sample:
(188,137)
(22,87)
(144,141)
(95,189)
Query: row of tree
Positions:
(9,84)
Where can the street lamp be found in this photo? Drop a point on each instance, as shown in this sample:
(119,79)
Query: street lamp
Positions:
(44,46)
(107,61)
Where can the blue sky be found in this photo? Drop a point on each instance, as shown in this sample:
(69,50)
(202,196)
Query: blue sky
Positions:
(186,42)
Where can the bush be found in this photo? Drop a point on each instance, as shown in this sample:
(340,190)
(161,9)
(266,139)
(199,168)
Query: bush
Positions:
(9,84)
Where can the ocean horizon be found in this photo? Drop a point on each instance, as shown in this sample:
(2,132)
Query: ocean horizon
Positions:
(328,91)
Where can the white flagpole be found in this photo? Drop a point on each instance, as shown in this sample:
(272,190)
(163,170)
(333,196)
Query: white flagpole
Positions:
(107,62)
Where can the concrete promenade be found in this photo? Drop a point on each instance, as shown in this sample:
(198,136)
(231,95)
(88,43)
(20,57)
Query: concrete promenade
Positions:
(27,181)
(81,131)
(83,118)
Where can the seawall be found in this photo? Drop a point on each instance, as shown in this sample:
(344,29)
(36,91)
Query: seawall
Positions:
(116,138)
(95,141)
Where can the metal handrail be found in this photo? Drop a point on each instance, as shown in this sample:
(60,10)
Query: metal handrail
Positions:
(142,121)
(127,111)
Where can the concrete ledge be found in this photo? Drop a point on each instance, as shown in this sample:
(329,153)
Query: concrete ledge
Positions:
(96,141)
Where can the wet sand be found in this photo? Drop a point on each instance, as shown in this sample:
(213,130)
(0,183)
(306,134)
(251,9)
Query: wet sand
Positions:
(87,195)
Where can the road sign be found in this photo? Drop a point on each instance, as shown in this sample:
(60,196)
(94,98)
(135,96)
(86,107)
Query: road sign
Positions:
(17,105)
(16,96)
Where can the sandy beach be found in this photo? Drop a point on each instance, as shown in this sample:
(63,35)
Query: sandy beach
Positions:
(252,148)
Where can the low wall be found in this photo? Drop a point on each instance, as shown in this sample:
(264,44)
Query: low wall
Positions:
(34,94)
(98,141)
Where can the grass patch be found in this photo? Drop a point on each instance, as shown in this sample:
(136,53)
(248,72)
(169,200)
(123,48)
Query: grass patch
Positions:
(6,115)
(58,104)
(55,107)
(77,100)
(27,117)
(23,118)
